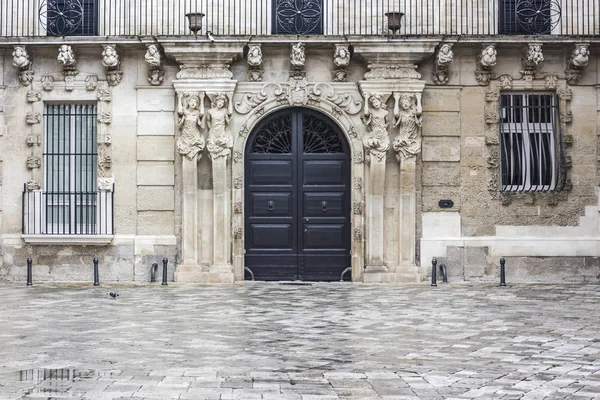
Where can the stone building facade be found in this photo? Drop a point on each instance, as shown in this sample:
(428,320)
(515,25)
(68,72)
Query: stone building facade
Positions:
(304,157)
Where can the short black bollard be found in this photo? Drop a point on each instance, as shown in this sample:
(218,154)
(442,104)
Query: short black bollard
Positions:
(434,272)
(29,272)
(444,273)
(165,262)
(96,273)
(153,272)
(502,272)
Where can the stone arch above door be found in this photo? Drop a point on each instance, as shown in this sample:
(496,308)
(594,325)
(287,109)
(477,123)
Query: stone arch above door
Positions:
(350,131)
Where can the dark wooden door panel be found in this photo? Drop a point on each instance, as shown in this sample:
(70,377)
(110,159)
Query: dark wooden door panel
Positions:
(297,198)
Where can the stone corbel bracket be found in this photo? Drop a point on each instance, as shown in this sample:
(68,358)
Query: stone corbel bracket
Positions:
(255,60)
(153,58)
(441,64)
(22,61)
(112,64)
(578,60)
(486,61)
(341,60)
(531,60)
(66,57)
(503,84)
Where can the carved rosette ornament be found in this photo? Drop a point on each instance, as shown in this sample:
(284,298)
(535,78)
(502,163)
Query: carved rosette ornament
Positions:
(409,121)
(220,138)
(341,60)
(153,58)
(486,61)
(443,58)
(578,60)
(48,83)
(506,84)
(376,141)
(91,82)
(255,59)
(190,109)
(22,62)
(66,57)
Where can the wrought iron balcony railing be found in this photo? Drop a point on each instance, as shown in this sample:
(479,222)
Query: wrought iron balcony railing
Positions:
(68,213)
(26,18)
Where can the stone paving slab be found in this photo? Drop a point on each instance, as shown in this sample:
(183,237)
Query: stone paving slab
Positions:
(270,341)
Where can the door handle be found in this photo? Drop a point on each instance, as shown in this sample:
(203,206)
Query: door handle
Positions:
(324,206)
(271,205)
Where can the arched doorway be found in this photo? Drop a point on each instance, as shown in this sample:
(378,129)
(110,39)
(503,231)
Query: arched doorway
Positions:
(297,198)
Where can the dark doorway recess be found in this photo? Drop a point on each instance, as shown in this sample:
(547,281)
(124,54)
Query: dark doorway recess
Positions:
(297,198)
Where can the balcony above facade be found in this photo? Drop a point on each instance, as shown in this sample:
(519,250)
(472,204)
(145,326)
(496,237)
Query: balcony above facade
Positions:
(292,18)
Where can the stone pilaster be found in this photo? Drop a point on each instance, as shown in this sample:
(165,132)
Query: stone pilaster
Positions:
(392,71)
(205,71)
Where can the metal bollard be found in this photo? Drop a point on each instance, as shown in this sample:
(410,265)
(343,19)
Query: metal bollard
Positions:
(96,273)
(165,262)
(434,272)
(502,272)
(444,273)
(153,272)
(29,272)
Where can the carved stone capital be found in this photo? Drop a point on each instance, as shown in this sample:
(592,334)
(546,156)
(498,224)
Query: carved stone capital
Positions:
(204,62)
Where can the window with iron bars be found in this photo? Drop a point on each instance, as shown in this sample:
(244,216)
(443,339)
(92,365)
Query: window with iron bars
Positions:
(70,17)
(298,17)
(70,161)
(531,147)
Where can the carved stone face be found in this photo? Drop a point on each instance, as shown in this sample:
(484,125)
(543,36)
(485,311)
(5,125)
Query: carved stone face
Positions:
(220,103)
(193,102)
(405,103)
(375,102)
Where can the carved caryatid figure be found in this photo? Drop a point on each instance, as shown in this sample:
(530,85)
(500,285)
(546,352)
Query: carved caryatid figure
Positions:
(408,118)
(376,141)
(190,109)
(220,139)
(66,56)
(152,56)
(21,59)
(110,58)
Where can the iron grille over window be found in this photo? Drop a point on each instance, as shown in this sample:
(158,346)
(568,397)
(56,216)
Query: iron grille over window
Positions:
(528,17)
(298,17)
(70,203)
(70,17)
(531,146)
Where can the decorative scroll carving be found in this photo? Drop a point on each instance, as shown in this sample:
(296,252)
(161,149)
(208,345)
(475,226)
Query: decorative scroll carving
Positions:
(238,208)
(33,118)
(357,208)
(220,139)
(551,81)
(237,157)
(486,61)
(33,96)
(237,234)
(26,77)
(357,234)
(32,185)
(34,162)
(106,183)
(298,56)
(579,59)
(506,81)
(190,109)
(104,159)
(359,157)
(238,182)
(250,101)
(91,82)
(105,118)
(104,95)
(408,118)
(343,100)
(358,183)
(48,83)
(376,141)
(443,58)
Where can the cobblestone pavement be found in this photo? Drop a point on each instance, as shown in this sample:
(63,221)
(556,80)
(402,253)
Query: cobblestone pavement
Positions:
(323,341)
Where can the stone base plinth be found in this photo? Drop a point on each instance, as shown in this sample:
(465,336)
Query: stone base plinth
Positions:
(194,274)
(408,274)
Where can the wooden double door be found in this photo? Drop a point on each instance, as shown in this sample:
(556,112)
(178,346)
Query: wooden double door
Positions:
(297,198)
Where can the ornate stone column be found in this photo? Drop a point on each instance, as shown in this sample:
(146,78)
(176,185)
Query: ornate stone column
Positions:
(392,71)
(204,72)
